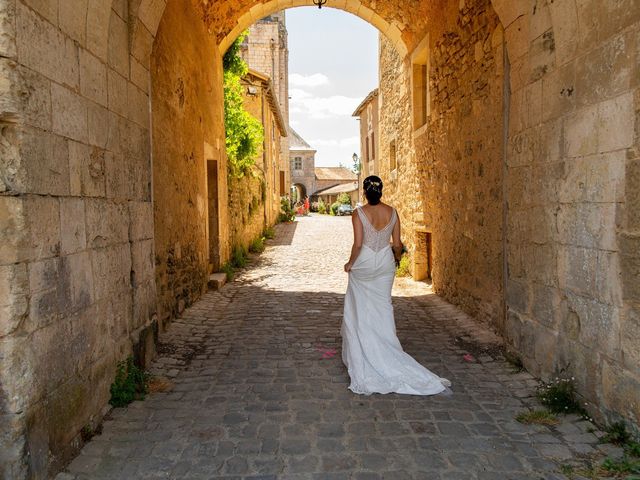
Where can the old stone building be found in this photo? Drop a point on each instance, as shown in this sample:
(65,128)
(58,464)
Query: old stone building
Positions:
(515,125)
(302,158)
(367,113)
(254,198)
(328,177)
(266,50)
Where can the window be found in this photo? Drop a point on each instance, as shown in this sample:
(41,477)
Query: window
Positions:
(373,146)
(420,84)
(367,157)
(393,162)
(297,163)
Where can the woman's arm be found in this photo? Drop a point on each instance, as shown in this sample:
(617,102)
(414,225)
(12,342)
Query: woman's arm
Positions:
(396,245)
(357,241)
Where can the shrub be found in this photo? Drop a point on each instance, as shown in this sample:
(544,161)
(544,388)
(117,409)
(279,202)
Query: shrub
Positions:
(344,199)
(228,269)
(321,207)
(269,233)
(404,268)
(244,134)
(334,208)
(130,384)
(559,396)
(257,246)
(239,257)
(287,213)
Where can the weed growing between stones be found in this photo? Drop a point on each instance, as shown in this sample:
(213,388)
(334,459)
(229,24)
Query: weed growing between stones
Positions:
(617,434)
(538,417)
(130,384)
(229,271)
(269,233)
(239,257)
(257,246)
(559,396)
(515,361)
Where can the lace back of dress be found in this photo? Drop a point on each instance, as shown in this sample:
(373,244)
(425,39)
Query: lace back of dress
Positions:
(376,240)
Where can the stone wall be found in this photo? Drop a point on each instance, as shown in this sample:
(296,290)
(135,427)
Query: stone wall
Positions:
(572,189)
(188,132)
(460,160)
(306,176)
(76,262)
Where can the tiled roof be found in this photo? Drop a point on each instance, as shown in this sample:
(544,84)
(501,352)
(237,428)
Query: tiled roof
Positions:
(335,173)
(337,189)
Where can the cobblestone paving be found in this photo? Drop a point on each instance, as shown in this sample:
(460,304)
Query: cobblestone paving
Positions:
(260,391)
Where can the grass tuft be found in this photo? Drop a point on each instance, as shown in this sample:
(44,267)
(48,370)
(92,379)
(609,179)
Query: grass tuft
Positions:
(537,417)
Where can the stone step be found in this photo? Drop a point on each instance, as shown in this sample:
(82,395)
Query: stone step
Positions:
(217,280)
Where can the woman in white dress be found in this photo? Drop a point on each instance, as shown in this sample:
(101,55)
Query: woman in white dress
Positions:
(371,350)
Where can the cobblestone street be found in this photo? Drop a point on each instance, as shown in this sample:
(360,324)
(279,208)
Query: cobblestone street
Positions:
(259,389)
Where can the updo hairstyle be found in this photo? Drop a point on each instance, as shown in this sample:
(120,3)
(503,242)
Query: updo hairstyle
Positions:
(372,189)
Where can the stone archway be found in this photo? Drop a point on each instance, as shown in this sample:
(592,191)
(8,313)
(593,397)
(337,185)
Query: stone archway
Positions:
(77,255)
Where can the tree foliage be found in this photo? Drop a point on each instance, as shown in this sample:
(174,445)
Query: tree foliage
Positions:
(244,133)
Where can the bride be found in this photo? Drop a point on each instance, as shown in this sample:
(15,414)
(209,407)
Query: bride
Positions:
(370,348)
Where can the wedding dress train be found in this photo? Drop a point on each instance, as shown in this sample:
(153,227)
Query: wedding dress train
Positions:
(370,347)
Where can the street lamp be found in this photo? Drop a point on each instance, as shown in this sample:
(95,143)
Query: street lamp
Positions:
(357,166)
(319,3)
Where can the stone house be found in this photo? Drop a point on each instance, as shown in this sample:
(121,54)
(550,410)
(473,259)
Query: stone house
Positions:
(302,159)
(367,114)
(266,50)
(331,194)
(328,177)
(254,199)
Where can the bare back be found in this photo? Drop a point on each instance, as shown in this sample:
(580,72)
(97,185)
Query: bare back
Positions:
(378,215)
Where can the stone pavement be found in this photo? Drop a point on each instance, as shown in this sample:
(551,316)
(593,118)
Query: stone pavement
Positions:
(260,391)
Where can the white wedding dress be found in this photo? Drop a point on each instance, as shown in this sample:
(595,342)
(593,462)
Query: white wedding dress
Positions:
(371,350)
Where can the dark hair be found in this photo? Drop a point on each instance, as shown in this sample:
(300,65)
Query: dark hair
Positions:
(372,186)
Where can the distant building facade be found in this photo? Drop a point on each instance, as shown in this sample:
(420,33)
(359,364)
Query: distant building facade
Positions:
(367,112)
(266,51)
(302,158)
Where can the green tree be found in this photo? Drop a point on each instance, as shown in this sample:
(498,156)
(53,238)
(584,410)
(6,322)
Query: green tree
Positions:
(244,133)
(344,199)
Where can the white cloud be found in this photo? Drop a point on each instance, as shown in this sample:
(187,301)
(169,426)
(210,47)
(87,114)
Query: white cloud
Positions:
(313,80)
(324,107)
(333,142)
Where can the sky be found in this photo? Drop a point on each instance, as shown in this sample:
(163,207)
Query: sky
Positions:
(333,65)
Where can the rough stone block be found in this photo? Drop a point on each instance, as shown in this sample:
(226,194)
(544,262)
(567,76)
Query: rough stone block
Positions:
(151,12)
(589,225)
(517,296)
(45,49)
(73,19)
(45,163)
(599,324)
(44,274)
(546,346)
(8,29)
(138,106)
(118,177)
(217,280)
(616,120)
(117,93)
(86,166)
(98,14)
(630,270)
(632,194)
(139,75)
(142,261)
(25,94)
(98,125)
(559,91)
(581,132)
(565,30)
(111,270)
(141,224)
(144,303)
(69,113)
(119,45)
(72,225)
(93,78)
(142,44)
(578,267)
(630,338)
(76,281)
(545,305)
(107,223)
(620,390)
(14,289)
